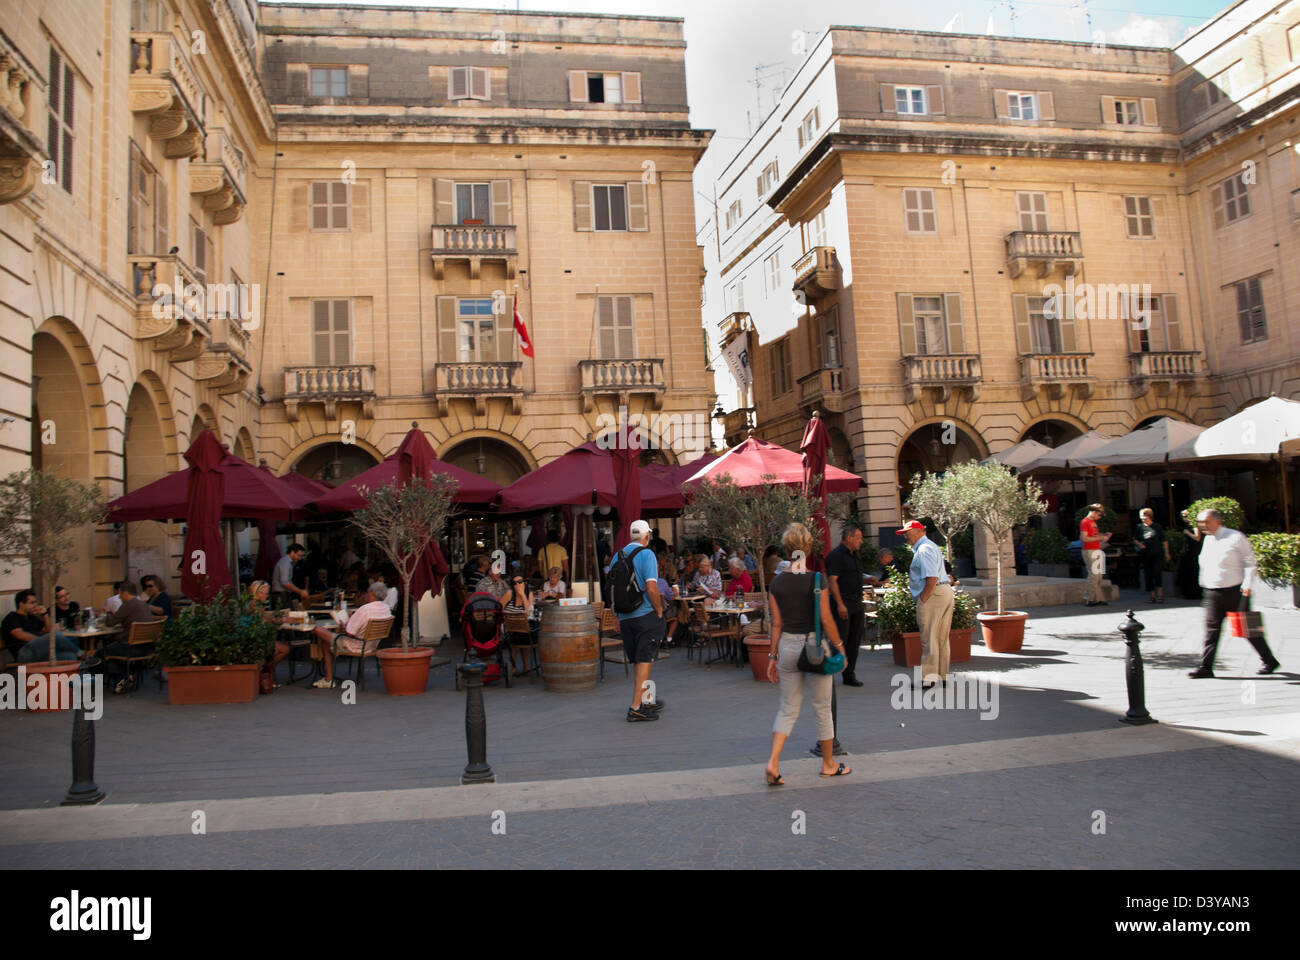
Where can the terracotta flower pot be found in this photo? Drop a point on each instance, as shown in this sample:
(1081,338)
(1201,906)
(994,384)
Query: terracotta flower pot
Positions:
(757,648)
(57,695)
(1003,633)
(907,649)
(227,684)
(959,645)
(406,672)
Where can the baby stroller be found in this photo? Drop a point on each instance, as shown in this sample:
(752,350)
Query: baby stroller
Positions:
(481,620)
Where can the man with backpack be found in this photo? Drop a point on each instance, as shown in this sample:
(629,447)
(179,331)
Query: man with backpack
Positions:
(634,595)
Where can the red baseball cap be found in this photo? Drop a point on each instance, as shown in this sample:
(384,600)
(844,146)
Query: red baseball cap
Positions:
(912,525)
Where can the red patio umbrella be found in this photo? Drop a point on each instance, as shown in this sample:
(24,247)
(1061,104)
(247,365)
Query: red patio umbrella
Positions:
(627,483)
(585,477)
(203,567)
(813,448)
(247,494)
(470,487)
(752,460)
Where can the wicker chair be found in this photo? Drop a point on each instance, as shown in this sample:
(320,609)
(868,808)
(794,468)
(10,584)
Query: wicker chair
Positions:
(141,638)
(519,633)
(707,632)
(376,630)
(611,638)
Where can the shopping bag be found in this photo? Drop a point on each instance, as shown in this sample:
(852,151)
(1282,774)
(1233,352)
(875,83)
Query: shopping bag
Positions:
(1237,628)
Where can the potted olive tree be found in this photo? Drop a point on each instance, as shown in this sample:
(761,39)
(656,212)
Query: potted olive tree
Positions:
(39,511)
(213,652)
(896,619)
(932,499)
(755,517)
(403,521)
(994,496)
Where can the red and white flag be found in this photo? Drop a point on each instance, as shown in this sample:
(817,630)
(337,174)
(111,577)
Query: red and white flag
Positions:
(521,331)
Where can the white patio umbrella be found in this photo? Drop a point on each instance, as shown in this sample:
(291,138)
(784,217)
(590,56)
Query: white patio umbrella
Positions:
(1268,429)
(1020,454)
(1066,456)
(1149,446)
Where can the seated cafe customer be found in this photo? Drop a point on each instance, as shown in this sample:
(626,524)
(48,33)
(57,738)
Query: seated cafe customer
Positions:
(131,610)
(349,641)
(707,581)
(159,603)
(259,594)
(553,588)
(66,609)
(740,579)
(27,632)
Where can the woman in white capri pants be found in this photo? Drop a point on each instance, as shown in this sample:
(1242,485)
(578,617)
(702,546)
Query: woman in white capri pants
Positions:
(790,610)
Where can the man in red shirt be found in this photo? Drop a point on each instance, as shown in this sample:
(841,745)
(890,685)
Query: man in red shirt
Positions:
(1094,560)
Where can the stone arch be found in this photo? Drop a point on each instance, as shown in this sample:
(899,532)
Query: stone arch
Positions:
(1145,418)
(487,453)
(69,426)
(924,448)
(1062,427)
(303,449)
(145,458)
(332,460)
(243,446)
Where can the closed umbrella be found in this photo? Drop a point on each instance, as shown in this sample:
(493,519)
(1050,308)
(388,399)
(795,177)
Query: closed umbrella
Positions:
(414,458)
(627,483)
(813,448)
(204,571)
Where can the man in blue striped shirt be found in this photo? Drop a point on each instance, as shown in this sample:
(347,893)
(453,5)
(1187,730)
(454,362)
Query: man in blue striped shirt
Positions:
(932,588)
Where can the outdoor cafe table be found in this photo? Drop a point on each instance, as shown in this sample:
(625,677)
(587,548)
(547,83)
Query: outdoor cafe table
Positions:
(734,646)
(93,635)
(308,627)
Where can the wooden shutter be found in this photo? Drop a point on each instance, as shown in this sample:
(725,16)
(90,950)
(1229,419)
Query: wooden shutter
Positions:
(1216,201)
(887,102)
(582,206)
(760,186)
(480,84)
(458,83)
(342,331)
(952,314)
(501,215)
(1046,106)
(318,205)
(134,207)
(359,208)
(505,324)
(1173,326)
(578,86)
(631,88)
(934,99)
(1148,115)
(906,324)
(638,215)
(1107,109)
(447,350)
(1020,312)
(320,332)
(299,207)
(358,77)
(444,201)
(605,341)
(799,136)
(1001,104)
(626,330)
(161,229)
(1069,332)
(340,205)
(65,158)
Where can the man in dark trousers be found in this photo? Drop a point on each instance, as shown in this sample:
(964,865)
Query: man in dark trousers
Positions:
(133,610)
(844,575)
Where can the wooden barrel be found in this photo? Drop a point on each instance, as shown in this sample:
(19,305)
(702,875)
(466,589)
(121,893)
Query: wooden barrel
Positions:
(570,648)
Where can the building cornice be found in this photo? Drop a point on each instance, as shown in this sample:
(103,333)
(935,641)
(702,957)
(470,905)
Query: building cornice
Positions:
(1242,124)
(362,34)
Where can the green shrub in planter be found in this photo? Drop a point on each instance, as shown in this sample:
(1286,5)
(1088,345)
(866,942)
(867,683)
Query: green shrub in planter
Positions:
(1047,545)
(1229,509)
(964,608)
(1177,541)
(896,609)
(903,556)
(222,633)
(1105,525)
(868,556)
(1278,555)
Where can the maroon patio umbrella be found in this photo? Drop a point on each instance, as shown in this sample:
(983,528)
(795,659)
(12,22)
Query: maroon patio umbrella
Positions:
(247,494)
(203,567)
(627,482)
(585,477)
(301,491)
(813,448)
(470,487)
(414,458)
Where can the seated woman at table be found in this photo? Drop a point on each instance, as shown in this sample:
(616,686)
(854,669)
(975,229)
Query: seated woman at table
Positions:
(520,600)
(553,588)
(740,579)
(66,609)
(259,596)
(707,582)
(372,607)
(687,568)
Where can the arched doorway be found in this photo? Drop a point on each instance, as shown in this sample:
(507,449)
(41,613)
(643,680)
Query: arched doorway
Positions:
(61,442)
(1051,433)
(148,550)
(933,448)
(488,457)
(335,462)
(500,463)
(244,445)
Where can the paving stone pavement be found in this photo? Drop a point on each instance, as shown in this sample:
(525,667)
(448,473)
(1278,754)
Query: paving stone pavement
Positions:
(1221,804)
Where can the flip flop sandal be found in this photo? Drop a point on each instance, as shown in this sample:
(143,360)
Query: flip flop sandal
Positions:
(778,782)
(840,771)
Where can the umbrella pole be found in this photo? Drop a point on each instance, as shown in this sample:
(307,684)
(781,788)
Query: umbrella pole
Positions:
(1286,510)
(1169,491)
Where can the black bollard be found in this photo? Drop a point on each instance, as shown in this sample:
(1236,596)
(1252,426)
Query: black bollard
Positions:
(477,771)
(83,791)
(1137,706)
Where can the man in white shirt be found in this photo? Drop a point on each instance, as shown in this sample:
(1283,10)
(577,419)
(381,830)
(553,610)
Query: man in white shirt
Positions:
(372,608)
(1227,575)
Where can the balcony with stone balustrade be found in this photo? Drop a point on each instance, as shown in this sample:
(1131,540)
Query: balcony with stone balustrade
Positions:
(167,317)
(817,273)
(1164,370)
(22,147)
(620,380)
(164,87)
(219,177)
(478,383)
(1054,373)
(823,390)
(1044,249)
(473,244)
(329,386)
(942,374)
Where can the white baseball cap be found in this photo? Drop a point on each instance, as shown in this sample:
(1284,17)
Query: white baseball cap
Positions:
(639,529)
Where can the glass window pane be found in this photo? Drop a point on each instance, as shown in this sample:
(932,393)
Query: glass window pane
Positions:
(464,202)
(617,208)
(342,343)
(600,207)
(482,202)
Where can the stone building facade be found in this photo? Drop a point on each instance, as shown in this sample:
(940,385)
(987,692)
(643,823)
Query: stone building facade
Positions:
(896,235)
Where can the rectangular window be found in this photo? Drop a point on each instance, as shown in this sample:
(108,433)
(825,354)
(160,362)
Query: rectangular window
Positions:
(1045,330)
(767,180)
(1137,217)
(469,83)
(609,206)
(475,331)
(614,328)
(1250,311)
(586,86)
(202,251)
(781,375)
(329,201)
(1293,40)
(733,215)
(809,127)
(772,271)
(329,81)
(1020,106)
(931,330)
(140,216)
(238,305)
(59,99)
(331,328)
(815,231)
(1218,89)
(473,202)
(826,338)
(1032,208)
(918,211)
(1146,324)
(1236,198)
(737,292)
(910,99)
(1127,112)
